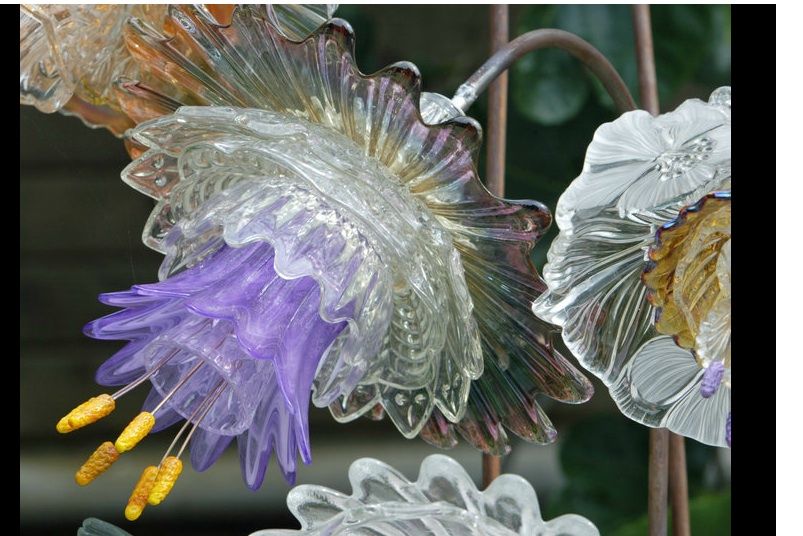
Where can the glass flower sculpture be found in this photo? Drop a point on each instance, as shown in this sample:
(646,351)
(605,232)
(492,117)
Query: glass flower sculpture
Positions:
(639,275)
(443,501)
(324,231)
(72,54)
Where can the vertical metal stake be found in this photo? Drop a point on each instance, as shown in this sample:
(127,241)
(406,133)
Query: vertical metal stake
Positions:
(657,486)
(678,486)
(497,107)
(667,450)
(495,160)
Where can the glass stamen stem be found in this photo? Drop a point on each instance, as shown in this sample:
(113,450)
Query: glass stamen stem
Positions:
(197,416)
(144,377)
(178,386)
(218,391)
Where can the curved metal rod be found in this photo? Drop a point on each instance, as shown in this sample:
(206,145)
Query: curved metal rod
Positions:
(467,93)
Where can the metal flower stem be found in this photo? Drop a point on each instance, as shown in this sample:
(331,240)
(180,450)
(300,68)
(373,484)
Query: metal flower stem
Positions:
(492,75)
(495,159)
(503,58)
(667,460)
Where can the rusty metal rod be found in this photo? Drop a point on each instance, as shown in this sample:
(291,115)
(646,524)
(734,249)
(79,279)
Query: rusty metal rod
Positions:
(491,468)
(497,107)
(657,485)
(599,65)
(678,486)
(667,461)
(645,58)
(495,160)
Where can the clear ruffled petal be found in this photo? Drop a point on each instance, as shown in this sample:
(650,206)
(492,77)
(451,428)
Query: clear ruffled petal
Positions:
(443,501)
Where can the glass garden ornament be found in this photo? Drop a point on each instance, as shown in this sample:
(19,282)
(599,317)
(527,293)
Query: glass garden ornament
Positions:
(639,275)
(71,55)
(326,230)
(428,147)
(443,501)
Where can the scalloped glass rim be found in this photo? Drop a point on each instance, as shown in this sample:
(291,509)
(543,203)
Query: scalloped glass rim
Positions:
(443,500)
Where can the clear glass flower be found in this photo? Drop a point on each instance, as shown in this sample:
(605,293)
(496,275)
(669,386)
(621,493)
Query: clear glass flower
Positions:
(443,501)
(408,162)
(639,174)
(71,54)
(324,231)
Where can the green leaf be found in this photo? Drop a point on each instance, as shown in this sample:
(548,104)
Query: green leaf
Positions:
(604,458)
(684,38)
(709,514)
(548,86)
(690,41)
(549,89)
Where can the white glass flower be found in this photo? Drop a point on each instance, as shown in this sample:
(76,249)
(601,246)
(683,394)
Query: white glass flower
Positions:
(443,501)
(639,174)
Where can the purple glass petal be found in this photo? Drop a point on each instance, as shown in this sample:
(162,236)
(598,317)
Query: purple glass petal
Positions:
(712,377)
(206,448)
(138,324)
(306,339)
(271,423)
(728,430)
(225,263)
(123,367)
(124,298)
(248,337)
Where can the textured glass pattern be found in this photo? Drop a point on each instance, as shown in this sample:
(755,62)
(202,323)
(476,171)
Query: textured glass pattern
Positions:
(77,52)
(688,281)
(76,49)
(384,263)
(313,149)
(443,501)
(640,171)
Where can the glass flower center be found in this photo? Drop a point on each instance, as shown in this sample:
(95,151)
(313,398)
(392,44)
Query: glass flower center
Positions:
(673,164)
(212,344)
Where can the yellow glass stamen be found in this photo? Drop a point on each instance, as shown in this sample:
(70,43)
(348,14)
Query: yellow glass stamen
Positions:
(100,460)
(169,471)
(139,497)
(135,431)
(90,411)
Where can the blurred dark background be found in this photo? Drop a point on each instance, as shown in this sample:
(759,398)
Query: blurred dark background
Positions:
(80,236)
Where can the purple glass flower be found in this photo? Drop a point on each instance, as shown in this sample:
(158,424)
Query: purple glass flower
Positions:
(232,347)
(325,232)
